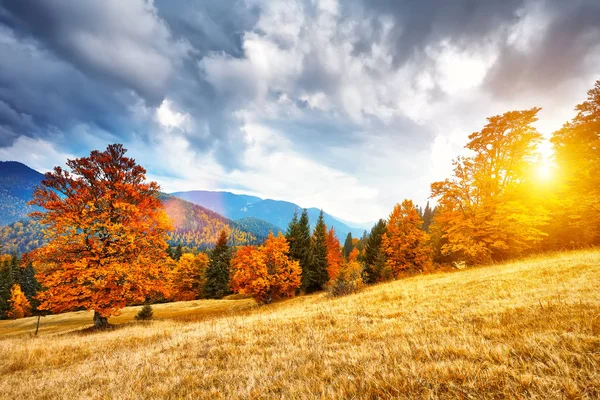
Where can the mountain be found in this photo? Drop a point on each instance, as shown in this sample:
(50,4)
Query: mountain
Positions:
(17,183)
(276,212)
(196,227)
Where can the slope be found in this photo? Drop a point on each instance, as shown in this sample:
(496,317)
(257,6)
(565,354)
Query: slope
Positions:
(17,183)
(276,212)
(527,329)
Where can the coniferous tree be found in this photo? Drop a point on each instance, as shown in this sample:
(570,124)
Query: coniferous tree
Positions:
(298,236)
(374,252)
(217,273)
(427,218)
(177,253)
(30,285)
(348,246)
(6,284)
(317,274)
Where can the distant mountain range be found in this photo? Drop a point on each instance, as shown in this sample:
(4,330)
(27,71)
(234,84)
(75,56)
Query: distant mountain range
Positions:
(17,183)
(195,226)
(276,212)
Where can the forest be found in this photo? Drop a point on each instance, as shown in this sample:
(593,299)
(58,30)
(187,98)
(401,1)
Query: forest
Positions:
(108,241)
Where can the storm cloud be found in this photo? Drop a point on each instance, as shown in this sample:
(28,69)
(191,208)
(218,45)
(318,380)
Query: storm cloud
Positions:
(369,100)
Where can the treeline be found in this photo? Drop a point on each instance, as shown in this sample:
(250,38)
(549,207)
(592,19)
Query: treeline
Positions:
(18,287)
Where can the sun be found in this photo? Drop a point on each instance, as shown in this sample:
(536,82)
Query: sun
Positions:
(544,170)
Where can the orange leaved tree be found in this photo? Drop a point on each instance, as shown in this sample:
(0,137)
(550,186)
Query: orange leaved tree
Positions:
(189,277)
(404,243)
(487,209)
(19,305)
(266,272)
(334,255)
(106,231)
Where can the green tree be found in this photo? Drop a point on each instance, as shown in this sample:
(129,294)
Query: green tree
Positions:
(374,252)
(298,237)
(317,276)
(217,273)
(348,246)
(177,253)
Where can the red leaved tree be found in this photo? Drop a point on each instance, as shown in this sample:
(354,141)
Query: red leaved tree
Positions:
(106,232)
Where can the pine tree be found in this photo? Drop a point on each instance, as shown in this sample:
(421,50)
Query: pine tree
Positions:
(217,273)
(145,314)
(177,253)
(298,237)
(30,285)
(317,274)
(427,218)
(348,246)
(6,283)
(374,252)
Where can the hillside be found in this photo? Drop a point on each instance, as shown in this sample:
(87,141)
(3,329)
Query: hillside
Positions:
(17,183)
(527,329)
(195,226)
(276,212)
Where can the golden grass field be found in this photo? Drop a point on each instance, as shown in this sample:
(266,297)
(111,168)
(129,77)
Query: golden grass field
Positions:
(528,329)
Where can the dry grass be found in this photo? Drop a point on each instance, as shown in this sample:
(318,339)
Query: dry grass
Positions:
(529,329)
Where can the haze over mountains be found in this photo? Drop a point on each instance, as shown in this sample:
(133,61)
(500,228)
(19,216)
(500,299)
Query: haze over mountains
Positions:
(277,212)
(197,216)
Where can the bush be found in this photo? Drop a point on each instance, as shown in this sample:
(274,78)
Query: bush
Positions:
(145,313)
(348,281)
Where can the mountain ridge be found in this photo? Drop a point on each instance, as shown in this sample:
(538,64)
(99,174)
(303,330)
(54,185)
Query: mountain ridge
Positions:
(276,212)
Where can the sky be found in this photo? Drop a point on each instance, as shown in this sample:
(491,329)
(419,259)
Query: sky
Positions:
(350,106)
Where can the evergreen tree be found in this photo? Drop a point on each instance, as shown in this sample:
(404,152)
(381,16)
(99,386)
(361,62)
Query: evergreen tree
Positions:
(6,283)
(374,252)
(317,274)
(170,252)
(298,236)
(30,285)
(348,246)
(177,253)
(427,218)
(217,273)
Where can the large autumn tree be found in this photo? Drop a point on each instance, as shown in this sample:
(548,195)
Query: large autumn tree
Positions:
(106,231)
(487,210)
(404,242)
(576,214)
(266,272)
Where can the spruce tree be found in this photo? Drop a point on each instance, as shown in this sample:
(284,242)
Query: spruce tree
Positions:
(291,236)
(177,253)
(374,256)
(217,273)
(6,283)
(30,285)
(300,246)
(317,275)
(348,246)
(427,218)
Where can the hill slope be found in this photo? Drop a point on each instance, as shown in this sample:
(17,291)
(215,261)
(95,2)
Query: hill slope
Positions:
(17,183)
(276,212)
(528,329)
(195,226)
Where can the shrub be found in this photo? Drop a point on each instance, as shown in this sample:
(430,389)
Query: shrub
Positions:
(145,313)
(348,281)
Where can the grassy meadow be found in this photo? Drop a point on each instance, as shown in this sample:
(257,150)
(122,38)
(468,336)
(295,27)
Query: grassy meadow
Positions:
(525,329)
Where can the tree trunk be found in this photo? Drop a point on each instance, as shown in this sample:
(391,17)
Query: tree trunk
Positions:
(99,320)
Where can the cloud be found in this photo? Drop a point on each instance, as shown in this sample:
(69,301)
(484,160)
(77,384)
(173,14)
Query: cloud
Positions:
(347,105)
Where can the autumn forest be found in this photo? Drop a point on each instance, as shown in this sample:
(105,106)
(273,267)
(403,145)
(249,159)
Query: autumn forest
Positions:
(105,229)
